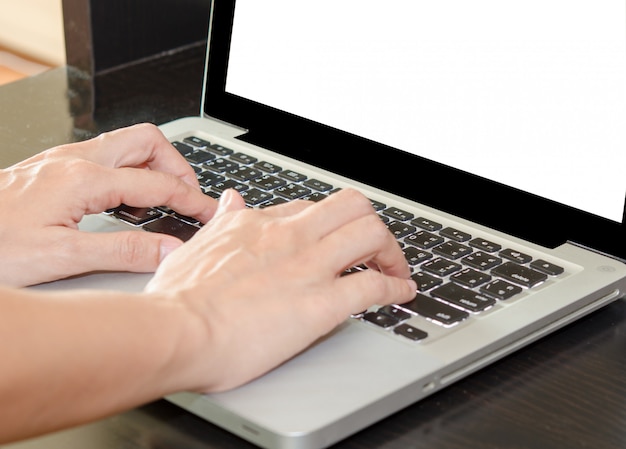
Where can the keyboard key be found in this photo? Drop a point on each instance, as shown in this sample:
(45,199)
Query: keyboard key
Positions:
(165,209)
(212,194)
(426,224)
(220,165)
(435,310)
(380,319)
(243,158)
(136,215)
(186,218)
(200,157)
(500,289)
(425,281)
(515,256)
(400,229)
(318,185)
(415,256)
(441,267)
(452,250)
(481,260)
(485,245)
(377,205)
(463,297)
(182,148)
(229,184)
(352,270)
(547,267)
(267,167)
(268,182)
(424,240)
(170,211)
(254,197)
(519,274)
(292,176)
(392,311)
(196,141)
(470,278)
(273,202)
(207,178)
(220,150)
(292,191)
(398,214)
(455,234)
(410,332)
(244,173)
(315,196)
(171,226)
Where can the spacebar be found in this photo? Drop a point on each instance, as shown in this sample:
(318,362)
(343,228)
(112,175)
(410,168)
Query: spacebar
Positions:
(172,226)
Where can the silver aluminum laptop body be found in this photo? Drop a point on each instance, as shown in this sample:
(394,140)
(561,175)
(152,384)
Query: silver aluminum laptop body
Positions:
(361,373)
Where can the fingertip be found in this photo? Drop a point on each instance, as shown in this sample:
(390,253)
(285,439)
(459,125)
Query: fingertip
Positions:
(229,201)
(167,246)
(412,289)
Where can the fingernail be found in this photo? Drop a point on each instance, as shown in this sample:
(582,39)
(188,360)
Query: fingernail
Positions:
(225,199)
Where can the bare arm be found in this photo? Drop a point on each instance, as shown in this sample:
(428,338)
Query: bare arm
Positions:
(81,356)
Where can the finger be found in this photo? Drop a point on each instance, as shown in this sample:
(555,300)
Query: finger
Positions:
(333,212)
(119,251)
(287,209)
(146,188)
(230,201)
(365,240)
(366,288)
(141,145)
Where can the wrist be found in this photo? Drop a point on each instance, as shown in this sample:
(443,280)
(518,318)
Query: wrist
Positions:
(188,349)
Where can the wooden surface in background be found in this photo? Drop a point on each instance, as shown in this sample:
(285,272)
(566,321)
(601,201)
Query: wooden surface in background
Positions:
(15,66)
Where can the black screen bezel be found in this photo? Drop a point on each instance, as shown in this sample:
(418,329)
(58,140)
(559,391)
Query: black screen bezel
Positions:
(495,205)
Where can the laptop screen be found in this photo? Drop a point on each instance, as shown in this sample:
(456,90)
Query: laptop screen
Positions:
(529,94)
(523,102)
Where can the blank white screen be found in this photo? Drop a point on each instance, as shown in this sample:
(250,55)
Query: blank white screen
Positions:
(529,93)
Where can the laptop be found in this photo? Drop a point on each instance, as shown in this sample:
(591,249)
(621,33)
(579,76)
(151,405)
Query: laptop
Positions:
(488,135)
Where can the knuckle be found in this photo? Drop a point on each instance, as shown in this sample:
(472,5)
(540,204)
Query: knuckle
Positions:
(354,196)
(78,172)
(147,127)
(102,139)
(149,130)
(264,242)
(378,230)
(376,282)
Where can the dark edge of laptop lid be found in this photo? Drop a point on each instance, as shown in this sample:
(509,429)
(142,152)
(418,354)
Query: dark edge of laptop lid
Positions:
(483,201)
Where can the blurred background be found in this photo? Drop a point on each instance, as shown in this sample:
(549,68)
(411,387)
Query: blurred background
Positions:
(31,37)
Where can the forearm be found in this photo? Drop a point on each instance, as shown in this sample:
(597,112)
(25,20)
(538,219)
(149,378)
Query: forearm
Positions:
(72,357)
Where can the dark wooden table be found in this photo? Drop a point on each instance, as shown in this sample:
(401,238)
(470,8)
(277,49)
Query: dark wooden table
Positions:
(567,390)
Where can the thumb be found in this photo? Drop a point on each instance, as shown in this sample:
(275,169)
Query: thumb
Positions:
(123,251)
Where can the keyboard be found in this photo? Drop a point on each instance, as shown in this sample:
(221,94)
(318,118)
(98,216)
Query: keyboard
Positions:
(460,276)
